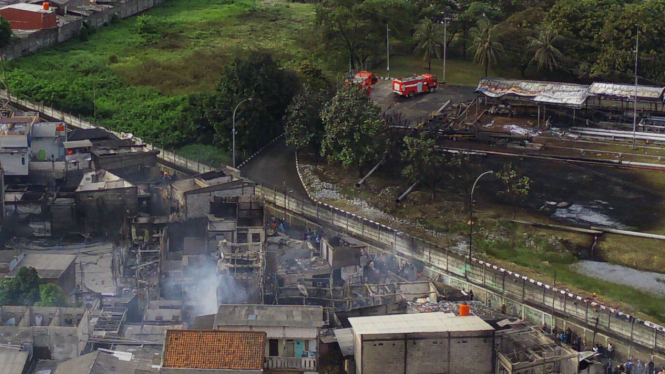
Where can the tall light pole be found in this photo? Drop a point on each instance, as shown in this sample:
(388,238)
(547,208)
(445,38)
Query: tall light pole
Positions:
(637,48)
(234,130)
(387,50)
(471,211)
(445,46)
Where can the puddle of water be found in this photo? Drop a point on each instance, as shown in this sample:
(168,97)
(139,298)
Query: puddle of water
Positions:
(641,280)
(587,215)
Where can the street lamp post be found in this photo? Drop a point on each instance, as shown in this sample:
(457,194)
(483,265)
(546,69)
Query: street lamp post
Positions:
(234,130)
(471,211)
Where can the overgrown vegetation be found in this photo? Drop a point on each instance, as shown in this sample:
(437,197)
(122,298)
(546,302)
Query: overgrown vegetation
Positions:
(26,288)
(162,75)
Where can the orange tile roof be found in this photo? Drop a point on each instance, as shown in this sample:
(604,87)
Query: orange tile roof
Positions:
(214,349)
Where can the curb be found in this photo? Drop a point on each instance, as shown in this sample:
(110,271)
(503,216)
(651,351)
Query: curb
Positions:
(259,151)
(302,181)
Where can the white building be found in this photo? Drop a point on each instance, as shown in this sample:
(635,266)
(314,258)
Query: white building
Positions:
(47,141)
(292,332)
(422,344)
(15,144)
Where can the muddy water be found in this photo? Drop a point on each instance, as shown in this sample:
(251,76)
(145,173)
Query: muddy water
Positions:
(584,195)
(641,280)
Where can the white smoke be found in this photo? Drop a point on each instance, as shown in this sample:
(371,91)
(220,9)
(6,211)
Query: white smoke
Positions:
(212,289)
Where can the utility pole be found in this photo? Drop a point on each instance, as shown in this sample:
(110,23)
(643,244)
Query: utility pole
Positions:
(445,46)
(637,48)
(387,50)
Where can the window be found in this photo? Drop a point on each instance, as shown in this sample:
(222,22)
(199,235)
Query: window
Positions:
(256,238)
(242,237)
(23,160)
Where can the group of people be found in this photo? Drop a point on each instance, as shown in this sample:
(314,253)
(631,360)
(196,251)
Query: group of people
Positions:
(312,236)
(633,368)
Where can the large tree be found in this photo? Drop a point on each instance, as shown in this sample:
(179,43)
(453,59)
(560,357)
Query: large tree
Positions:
(428,37)
(355,131)
(52,295)
(617,43)
(424,161)
(546,54)
(485,45)
(255,75)
(302,123)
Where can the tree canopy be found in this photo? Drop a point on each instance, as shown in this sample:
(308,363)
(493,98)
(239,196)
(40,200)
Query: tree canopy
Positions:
(26,288)
(253,75)
(354,129)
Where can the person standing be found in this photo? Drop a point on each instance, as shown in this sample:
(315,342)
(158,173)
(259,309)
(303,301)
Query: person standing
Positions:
(651,368)
(610,350)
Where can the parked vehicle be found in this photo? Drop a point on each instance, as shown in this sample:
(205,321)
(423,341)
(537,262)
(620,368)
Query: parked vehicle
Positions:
(415,84)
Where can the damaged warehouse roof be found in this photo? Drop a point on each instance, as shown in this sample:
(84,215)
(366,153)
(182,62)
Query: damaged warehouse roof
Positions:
(626,90)
(564,93)
(542,92)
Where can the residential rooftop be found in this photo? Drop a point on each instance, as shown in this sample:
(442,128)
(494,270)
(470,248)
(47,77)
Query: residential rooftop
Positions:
(417,323)
(48,266)
(204,180)
(28,8)
(269,315)
(12,360)
(214,349)
(101,180)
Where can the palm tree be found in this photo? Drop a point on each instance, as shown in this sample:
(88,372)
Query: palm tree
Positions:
(427,38)
(485,46)
(546,54)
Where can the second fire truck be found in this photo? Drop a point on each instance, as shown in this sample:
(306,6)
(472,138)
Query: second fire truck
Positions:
(415,84)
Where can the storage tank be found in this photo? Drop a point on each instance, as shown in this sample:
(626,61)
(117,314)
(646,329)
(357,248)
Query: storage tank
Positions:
(46,5)
(464,310)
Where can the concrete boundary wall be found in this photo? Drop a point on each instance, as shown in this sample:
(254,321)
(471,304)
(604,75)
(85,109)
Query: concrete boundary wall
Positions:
(524,297)
(46,38)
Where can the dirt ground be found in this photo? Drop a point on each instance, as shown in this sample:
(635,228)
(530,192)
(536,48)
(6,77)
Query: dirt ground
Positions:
(418,108)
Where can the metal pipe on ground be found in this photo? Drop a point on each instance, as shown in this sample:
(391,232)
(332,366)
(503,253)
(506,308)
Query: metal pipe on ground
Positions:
(407,192)
(360,183)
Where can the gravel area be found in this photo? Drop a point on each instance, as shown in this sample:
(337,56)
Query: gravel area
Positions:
(641,280)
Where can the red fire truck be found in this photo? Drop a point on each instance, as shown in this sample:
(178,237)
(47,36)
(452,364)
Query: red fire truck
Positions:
(364,79)
(415,84)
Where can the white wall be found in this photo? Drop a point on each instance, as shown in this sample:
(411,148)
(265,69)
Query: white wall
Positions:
(12,164)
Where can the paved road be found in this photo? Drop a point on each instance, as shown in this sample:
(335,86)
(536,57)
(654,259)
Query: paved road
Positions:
(417,109)
(276,167)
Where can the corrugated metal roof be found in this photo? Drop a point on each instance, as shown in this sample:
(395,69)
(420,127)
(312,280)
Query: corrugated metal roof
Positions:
(417,323)
(625,90)
(77,144)
(543,92)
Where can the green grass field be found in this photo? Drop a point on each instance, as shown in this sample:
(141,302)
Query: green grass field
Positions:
(458,72)
(140,82)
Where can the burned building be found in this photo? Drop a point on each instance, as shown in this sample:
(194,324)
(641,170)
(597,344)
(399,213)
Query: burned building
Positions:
(54,333)
(103,200)
(238,220)
(122,154)
(526,349)
(195,197)
(344,255)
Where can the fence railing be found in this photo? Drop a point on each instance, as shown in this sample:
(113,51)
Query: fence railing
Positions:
(512,289)
(165,155)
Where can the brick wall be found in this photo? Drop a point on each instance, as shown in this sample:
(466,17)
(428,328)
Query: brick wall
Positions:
(49,37)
